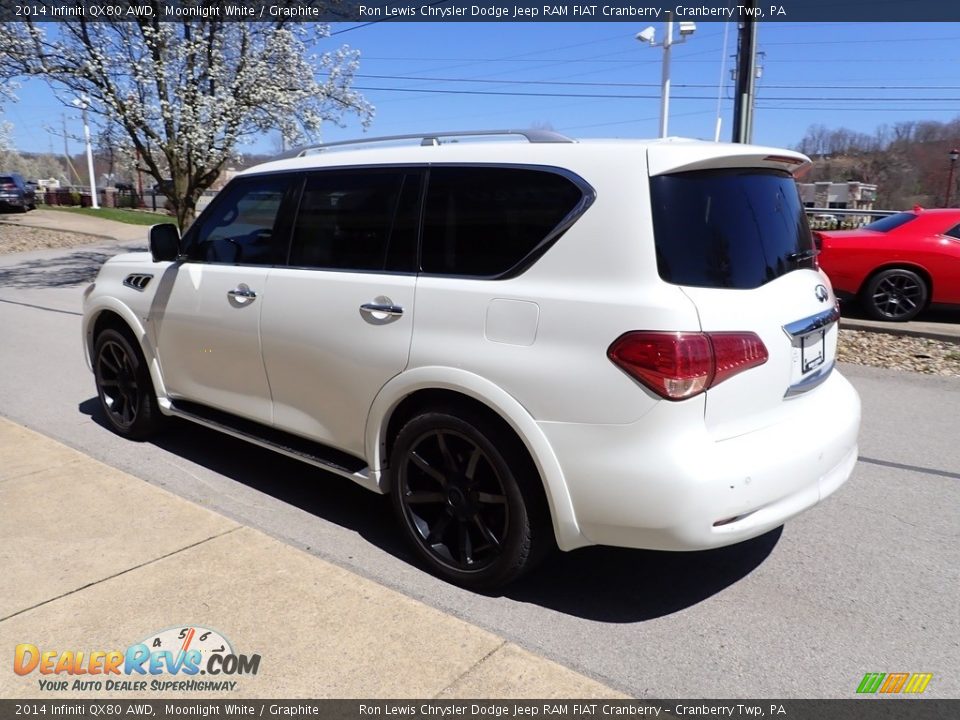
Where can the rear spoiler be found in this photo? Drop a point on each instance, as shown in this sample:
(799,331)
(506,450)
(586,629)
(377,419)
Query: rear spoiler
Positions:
(675,155)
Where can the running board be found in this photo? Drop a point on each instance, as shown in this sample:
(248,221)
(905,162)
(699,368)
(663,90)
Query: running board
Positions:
(293,446)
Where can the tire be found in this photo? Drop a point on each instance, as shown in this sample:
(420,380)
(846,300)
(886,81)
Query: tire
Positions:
(124,386)
(463,494)
(896,294)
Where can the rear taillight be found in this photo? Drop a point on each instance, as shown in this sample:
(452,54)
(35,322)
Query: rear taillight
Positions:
(679,365)
(7,186)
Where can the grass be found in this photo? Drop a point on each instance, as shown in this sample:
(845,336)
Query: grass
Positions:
(131,217)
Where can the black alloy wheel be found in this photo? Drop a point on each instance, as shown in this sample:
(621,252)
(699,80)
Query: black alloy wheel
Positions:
(124,386)
(896,294)
(456,493)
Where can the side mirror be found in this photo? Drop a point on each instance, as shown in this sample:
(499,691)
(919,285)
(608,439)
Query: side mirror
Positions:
(164,242)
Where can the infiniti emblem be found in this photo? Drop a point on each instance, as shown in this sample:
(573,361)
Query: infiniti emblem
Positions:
(822,293)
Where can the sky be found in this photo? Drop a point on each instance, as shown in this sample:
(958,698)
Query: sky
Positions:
(458,76)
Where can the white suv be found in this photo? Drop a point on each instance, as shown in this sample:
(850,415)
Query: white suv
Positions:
(526,343)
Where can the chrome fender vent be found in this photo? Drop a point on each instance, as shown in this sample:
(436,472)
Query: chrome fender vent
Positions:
(137,281)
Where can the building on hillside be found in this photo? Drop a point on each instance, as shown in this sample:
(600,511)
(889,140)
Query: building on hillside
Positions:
(838,195)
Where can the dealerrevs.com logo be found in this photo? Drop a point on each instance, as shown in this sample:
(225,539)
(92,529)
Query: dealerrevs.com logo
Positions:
(168,661)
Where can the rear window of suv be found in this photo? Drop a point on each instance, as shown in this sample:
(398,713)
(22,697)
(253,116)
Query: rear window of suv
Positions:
(733,228)
(493,221)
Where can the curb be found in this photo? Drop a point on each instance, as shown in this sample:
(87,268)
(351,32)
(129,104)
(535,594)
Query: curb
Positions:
(242,580)
(900,330)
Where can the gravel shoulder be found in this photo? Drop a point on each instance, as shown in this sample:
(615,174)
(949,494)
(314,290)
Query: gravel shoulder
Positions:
(14,239)
(920,355)
(875,349)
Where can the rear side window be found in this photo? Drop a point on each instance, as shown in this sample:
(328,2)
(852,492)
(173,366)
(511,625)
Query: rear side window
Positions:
(891,222)
(488,222)
(362,220)
(733,228)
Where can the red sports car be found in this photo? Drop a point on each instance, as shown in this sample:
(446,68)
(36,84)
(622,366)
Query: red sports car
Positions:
(897,265)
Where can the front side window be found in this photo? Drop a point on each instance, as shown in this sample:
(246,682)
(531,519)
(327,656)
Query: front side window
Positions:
(239,229)
(487,221)
(732,228)
(361,220)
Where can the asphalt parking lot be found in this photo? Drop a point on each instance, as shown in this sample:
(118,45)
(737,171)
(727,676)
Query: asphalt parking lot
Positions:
(865,582)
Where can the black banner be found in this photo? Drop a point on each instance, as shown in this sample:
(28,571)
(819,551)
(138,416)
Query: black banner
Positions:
(874,708)
(482,10)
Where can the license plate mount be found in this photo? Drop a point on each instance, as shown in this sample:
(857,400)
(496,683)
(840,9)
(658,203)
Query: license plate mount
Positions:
(812,351)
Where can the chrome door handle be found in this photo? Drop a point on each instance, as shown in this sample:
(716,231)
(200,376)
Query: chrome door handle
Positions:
(242,291)
(384,308)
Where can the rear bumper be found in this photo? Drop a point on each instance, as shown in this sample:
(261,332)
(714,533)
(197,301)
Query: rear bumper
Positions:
(664,483)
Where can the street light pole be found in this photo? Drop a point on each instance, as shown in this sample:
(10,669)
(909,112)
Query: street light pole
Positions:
(83,102)
(648,36)
(953,155)
(665,78)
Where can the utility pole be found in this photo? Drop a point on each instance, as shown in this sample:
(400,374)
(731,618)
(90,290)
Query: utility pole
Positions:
(66,151)
(954,154)
(746,79)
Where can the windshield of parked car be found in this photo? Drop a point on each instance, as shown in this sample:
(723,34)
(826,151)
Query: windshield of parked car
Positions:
(890,222)
(731,228)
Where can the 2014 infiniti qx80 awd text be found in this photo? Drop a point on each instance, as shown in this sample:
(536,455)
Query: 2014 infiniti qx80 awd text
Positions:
(526,341)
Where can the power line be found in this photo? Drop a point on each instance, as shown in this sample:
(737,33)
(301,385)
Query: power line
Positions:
(512,94)
(630,97)
(880,109)
(634,84)
(853,42)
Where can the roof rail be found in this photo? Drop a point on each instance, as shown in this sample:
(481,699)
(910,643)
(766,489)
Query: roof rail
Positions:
(533,136)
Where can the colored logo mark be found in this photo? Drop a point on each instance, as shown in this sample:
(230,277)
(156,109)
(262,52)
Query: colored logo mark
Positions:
(888,683)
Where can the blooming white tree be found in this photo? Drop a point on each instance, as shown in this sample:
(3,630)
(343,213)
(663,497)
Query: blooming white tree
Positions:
(187,92)
(7,86)
(6,130)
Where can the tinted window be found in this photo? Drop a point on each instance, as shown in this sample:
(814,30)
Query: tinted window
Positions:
(732,228)
(357,220)
(890,222)
(486,221)
(240,226)
(954,232)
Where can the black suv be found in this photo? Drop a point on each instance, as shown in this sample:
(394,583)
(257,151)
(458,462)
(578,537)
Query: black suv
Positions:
(16,193)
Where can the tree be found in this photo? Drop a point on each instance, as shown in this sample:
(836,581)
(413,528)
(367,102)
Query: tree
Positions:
(6,130)
(187,93)
(7,89)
